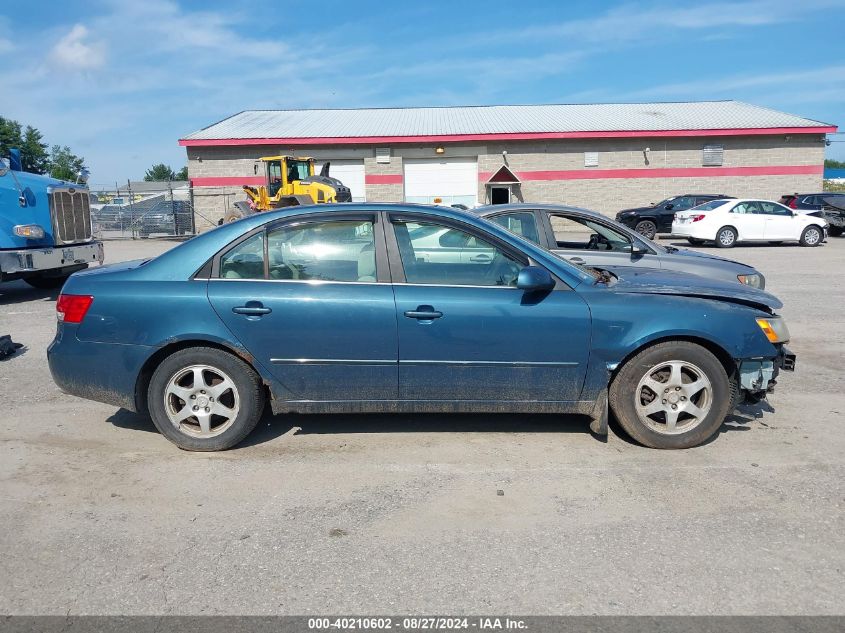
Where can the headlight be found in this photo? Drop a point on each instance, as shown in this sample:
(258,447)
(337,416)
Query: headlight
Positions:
(774,328)
(755,280)
(29,231)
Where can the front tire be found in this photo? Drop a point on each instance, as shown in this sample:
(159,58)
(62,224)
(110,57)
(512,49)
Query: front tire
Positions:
(238,211)
(205,399)
(671,395)
(726,237)
(835,231)
(646,228)
(811,236)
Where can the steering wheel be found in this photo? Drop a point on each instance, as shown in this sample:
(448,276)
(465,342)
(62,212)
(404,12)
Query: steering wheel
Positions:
(599,242)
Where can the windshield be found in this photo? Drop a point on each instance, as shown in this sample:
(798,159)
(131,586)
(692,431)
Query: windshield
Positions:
(709,206)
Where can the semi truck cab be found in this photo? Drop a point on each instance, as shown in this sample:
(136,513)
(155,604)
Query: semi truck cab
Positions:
(46,233)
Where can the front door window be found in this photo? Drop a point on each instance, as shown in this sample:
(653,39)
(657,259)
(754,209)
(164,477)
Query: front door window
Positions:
(433,253)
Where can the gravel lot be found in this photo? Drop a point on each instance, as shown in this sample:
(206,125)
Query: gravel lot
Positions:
(390,514)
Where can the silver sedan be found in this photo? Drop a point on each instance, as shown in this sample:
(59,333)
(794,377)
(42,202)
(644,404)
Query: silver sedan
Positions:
(592,239)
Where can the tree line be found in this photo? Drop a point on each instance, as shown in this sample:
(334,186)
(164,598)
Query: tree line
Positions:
(36,156)
(834,164)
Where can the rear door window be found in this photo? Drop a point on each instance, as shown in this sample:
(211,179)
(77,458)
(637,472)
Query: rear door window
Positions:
(522,223)
(337,250)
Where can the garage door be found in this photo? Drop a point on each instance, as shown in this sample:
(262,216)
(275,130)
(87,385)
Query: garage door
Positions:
(453,180)
(350,173)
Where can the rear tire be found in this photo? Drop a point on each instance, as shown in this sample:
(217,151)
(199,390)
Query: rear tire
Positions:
(811,236)
(726,237)
(189,380)
(646,228)
(695,241)
(47,283)
(698,410)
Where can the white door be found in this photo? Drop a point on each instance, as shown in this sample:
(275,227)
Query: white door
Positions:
(780,223)
(452,180)
(349,172)
(747,218)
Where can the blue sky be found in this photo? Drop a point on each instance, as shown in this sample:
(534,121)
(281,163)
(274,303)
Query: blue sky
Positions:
(120,82)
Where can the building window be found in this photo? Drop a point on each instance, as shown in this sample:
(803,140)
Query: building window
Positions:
(591,159)
(712,155)
(382,154)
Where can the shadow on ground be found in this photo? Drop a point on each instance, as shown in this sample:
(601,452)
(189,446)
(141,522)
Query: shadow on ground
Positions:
(20,292)
(271,426)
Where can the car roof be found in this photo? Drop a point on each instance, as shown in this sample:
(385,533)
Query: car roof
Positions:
(489,209)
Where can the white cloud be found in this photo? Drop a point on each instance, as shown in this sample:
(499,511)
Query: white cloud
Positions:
(831,77)
(75,51)
(6,46)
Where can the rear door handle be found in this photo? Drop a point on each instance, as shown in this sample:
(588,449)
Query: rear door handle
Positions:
(252,308)
(480,258)
(423,313)
(576,260)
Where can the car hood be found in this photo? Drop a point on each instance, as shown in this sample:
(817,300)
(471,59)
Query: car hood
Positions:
(649,208)
(684,252)
(636,280)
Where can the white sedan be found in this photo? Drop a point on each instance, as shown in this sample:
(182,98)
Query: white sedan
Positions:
(727,222)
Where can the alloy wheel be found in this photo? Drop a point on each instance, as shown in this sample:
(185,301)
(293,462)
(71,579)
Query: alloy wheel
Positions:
(812,236)
(201,401)
(726,237)
(673,397)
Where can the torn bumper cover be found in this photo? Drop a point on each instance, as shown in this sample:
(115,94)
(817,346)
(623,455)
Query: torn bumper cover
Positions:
(757,377)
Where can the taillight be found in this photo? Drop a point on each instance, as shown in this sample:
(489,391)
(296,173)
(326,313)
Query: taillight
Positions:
(698,217)
(793,204)
(72,308)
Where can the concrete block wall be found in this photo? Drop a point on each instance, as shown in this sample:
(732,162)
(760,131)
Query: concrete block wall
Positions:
(607,195)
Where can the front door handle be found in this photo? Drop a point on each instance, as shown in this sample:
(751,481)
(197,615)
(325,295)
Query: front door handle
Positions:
(481,259)
(576,260)
(252,308)
(423,313)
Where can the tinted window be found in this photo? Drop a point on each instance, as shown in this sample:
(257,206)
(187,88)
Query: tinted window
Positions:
(683,202)
(582,234)
(244,261)
(436,254)
(340,250)
(521,223)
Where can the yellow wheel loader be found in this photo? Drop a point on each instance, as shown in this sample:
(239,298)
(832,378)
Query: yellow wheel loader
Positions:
(288,182)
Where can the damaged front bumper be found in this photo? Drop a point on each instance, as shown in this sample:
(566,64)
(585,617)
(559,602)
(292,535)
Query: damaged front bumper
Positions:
(758,376)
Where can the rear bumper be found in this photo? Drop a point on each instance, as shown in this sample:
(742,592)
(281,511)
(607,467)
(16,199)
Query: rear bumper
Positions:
(103,372)
(34,260)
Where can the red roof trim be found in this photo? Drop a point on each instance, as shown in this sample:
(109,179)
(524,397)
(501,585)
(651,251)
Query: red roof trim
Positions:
(509,136)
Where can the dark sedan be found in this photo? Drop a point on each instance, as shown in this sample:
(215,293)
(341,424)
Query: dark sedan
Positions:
(657,218)
(587,237)
(392,308)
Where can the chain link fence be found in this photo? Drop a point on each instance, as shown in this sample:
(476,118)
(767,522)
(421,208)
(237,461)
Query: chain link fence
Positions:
(142,211)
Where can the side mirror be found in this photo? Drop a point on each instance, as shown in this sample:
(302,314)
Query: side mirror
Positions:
(669,206)
(637,248)
(534,278)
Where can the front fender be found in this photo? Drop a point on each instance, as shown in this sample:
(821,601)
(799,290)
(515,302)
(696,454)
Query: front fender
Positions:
(621,328)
